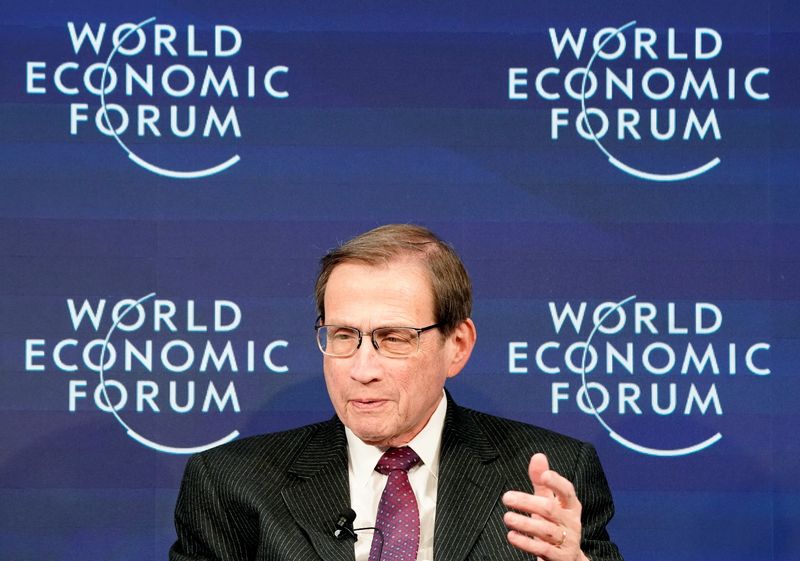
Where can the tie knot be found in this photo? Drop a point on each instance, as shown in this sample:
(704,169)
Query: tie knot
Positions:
(397,459)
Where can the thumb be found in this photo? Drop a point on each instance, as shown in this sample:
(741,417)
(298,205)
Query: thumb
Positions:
(536,469)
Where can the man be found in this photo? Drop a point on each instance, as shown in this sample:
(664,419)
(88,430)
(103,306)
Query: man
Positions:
(394,323)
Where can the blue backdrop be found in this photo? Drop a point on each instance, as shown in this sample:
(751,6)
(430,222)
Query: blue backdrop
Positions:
(234,144)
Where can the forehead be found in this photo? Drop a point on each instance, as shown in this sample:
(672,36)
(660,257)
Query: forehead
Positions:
(400,288)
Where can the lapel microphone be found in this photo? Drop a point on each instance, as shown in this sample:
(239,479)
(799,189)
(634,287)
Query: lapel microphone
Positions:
(344,528)
(344,525)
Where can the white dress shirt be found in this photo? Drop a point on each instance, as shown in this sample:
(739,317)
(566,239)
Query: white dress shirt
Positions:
(366,484)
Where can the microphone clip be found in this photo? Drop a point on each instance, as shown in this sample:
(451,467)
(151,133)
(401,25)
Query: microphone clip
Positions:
(344,526)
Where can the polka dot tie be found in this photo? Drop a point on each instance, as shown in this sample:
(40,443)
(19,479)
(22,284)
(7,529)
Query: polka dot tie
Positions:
(398,514)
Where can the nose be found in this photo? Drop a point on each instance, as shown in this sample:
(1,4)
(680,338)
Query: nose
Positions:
(365,364)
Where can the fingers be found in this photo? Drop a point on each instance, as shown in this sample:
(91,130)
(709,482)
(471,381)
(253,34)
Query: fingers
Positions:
(526,503)
(537,527)
(542,527)
(547,522)
(562,488)
(544,550)
(547,482)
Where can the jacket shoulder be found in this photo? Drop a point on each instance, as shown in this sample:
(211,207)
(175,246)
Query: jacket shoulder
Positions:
(270,453)
(516,441)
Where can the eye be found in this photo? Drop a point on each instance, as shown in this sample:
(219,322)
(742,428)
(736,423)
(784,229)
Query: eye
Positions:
(395,338)
(341,334)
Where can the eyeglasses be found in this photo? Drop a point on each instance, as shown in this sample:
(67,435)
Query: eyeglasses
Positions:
(342,341)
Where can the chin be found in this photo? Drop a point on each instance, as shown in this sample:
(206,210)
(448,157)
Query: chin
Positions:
(371,437)
(379,434)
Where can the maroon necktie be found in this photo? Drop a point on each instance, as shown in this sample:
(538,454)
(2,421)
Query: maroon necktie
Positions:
(398,515)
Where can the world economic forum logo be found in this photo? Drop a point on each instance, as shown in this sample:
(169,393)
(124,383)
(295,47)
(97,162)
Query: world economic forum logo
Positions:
(174,374)
(654,102)
(167,95)
(657,376)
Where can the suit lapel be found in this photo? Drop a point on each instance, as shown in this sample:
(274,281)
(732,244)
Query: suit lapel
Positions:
(322,491)
(469,486)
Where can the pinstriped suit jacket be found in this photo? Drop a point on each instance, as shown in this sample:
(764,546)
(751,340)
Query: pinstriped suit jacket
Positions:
(277,497)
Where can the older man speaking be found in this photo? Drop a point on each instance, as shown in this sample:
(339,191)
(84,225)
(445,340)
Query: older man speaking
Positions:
(401,473)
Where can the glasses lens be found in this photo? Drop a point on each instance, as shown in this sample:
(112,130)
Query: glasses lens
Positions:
(396,341)
(337,341)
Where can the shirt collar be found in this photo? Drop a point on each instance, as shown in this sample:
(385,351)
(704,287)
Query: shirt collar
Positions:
(363,457)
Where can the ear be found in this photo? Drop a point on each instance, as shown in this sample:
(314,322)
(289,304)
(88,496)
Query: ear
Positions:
(461,342)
